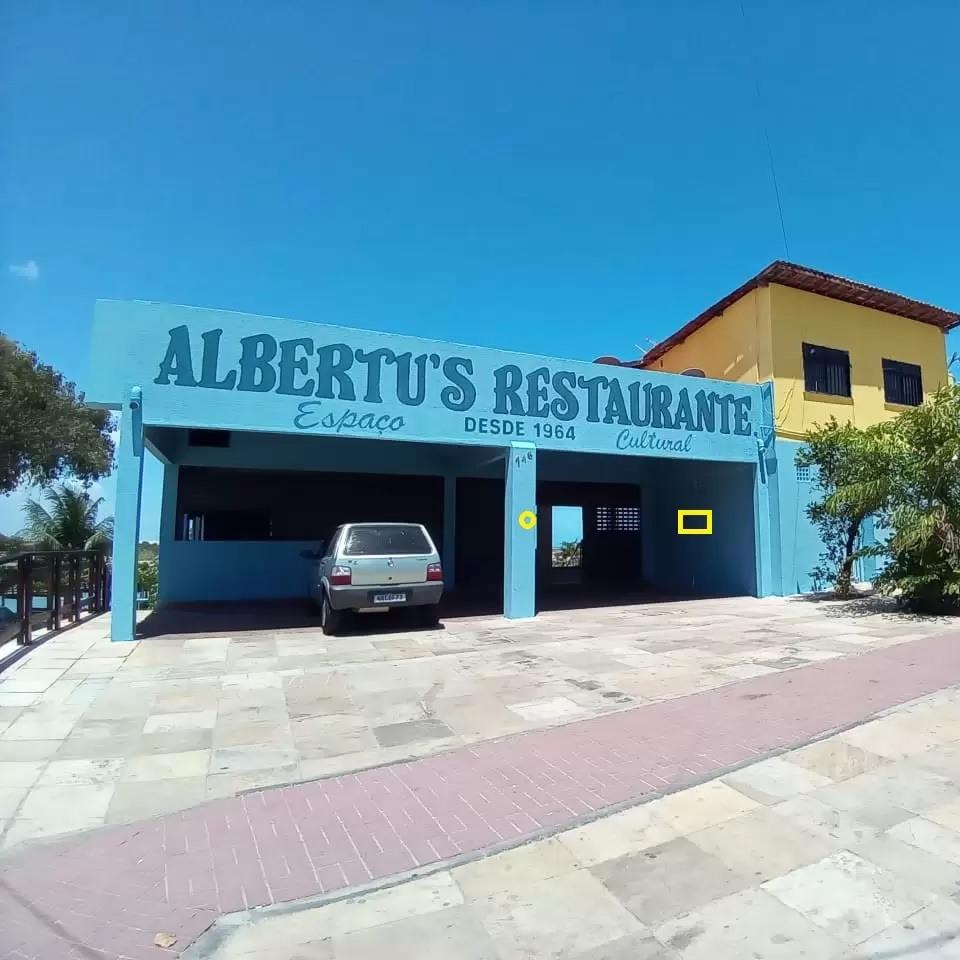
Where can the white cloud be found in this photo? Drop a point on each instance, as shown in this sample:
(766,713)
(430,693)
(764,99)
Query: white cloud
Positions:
(29,271)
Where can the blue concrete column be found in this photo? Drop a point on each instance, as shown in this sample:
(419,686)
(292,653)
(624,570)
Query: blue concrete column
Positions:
(766,501)
(126,519)
(449,531)
(168,528)
(762,528)
(520,545)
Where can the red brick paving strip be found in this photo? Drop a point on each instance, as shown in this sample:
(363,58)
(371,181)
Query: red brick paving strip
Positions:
(105,895)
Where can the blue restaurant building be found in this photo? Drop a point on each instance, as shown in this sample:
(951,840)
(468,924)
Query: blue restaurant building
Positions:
(271,432)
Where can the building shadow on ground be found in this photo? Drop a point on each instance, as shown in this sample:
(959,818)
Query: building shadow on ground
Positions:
(237,618)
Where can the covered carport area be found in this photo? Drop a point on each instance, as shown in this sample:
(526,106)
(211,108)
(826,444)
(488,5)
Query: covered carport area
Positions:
(631,547)
(628,549)
(272,432)
(240,508)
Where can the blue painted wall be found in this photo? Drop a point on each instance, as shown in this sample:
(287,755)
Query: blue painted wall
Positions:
(203,571)
(800,543)
(718,565)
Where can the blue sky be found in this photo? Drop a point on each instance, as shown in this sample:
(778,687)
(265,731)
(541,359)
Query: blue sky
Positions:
(557,177)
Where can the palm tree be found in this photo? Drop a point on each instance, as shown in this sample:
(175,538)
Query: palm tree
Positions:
(568,554)
(68,521)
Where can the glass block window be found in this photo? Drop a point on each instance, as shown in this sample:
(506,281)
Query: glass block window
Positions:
(618,519)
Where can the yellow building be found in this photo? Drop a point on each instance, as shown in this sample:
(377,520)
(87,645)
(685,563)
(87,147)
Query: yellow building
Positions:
(831,347)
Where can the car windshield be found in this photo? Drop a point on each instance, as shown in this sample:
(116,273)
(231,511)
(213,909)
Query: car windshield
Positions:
(389,538)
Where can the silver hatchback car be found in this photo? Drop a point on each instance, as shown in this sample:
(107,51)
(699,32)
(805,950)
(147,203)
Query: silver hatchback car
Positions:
(368,567)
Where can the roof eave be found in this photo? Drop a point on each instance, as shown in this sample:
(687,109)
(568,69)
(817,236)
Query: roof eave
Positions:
(813,281)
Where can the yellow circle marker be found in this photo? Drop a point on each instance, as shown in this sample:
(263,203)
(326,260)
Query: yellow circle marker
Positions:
(527,519)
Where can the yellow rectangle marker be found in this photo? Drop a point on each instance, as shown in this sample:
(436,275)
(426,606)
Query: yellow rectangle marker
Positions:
(683,514)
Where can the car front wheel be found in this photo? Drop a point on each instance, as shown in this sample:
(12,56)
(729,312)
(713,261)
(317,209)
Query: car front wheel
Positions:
(331,620)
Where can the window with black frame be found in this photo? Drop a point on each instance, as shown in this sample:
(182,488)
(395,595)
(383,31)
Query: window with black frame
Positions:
(826,370)
(902,383)
(226,525)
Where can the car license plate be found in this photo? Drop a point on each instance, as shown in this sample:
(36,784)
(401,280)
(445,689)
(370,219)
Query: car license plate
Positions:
(389,597)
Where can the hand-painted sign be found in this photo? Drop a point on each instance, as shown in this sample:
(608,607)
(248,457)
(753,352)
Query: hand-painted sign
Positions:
(347,389)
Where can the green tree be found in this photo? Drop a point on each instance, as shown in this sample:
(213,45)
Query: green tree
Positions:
(568,554)
(147,550)
(68,521)
(10,545)
(842,457)
(46,430)
(920,488)
(148,579)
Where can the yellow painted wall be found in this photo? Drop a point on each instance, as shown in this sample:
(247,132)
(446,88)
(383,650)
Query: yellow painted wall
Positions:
(868,335)
(760,338)
(735,345)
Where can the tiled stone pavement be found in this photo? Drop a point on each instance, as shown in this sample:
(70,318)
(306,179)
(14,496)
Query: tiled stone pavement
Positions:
(94,733)
(845,849)
(111,892)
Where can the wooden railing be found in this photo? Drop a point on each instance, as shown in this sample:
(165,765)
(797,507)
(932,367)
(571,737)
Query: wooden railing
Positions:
(46,589)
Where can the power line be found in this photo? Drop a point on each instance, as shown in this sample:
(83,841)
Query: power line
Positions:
(766,135)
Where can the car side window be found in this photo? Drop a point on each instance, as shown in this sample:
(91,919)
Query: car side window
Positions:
(330,548)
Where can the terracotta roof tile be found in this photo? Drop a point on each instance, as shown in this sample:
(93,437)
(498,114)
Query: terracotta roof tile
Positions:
(812,281)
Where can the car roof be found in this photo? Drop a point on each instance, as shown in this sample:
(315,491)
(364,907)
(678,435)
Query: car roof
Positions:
(386,523)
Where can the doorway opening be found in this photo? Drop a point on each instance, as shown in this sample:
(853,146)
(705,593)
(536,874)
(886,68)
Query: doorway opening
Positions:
(589,545)
(566,546)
